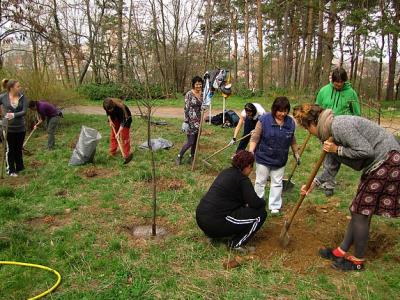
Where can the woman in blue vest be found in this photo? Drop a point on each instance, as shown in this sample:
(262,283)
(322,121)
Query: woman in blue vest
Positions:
(271,140)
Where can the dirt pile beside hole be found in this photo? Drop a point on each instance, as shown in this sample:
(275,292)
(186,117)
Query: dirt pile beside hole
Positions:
(52,221)
(92,172)
(314,226)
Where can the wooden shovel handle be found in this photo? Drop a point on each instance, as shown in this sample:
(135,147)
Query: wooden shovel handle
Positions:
(227,146)
(300,153)
(308,184)
(118,139)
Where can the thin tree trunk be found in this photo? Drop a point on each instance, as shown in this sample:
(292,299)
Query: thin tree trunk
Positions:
(362,65)
(246,44)
(60,41)
(34,52)
(318,60)
(379,86)
(284,71)
(341,49)
(234,20)
(120,62)
(328,49)
(393,55)
(156,48)
(307,61)
(260,47)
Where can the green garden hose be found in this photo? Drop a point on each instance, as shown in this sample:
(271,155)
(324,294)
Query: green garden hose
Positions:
(39,267)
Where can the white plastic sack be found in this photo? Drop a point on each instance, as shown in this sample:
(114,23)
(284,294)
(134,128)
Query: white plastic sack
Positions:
(157,144)
(85,148)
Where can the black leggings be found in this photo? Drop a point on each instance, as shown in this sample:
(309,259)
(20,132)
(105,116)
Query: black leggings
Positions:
(357,233)
(240,225)
(15,141)
(191,142)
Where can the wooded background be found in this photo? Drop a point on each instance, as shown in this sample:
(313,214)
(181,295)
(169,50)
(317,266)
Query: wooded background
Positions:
(289,45)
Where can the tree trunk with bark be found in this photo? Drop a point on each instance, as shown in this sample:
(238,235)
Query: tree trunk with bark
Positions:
(260,81)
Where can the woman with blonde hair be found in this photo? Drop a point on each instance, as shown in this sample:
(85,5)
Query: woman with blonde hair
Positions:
(14,107)
(363,146)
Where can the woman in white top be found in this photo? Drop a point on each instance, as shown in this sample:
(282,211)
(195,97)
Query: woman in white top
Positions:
(249,116)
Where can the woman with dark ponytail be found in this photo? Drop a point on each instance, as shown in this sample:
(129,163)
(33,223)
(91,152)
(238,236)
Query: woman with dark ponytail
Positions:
(14,106)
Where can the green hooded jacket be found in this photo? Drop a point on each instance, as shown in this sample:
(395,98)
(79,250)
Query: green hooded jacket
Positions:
(343,102)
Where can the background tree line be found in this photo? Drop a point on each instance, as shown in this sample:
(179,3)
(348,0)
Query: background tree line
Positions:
(281,44)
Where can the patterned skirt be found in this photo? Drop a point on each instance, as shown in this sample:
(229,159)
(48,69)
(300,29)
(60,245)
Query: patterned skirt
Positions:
(379,191)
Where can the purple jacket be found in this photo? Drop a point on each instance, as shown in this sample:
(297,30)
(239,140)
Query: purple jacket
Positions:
(46,109)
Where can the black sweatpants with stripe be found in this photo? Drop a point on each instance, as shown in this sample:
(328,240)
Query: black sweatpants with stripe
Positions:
(15,142)
(241,224)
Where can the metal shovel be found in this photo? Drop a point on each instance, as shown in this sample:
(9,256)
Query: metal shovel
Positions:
(205,161)
(284,236)
(287,183)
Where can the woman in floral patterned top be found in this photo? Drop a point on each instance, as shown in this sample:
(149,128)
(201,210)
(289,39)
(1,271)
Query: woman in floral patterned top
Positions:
(191,124)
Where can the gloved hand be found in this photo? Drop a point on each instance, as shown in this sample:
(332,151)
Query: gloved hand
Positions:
(185,127)
(232,142)
(10,116)
(297,158)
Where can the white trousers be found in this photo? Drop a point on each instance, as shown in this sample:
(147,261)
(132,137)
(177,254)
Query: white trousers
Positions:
(275,192)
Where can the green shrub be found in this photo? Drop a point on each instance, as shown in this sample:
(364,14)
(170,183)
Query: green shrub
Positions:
(98,92)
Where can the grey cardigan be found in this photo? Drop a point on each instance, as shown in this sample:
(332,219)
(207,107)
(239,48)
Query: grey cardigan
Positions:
(363,144)
(18,123)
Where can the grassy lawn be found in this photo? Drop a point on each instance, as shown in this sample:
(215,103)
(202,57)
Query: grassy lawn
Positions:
(79,224)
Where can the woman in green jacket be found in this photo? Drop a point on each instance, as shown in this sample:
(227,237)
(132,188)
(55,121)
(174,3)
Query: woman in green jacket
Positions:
(340,97)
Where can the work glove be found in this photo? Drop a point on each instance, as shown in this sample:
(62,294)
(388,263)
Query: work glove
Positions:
(297,158)
(232,142)
(10,116)
(185,127)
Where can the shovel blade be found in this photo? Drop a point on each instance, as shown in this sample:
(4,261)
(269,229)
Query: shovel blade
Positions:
(284,237)
(287,185)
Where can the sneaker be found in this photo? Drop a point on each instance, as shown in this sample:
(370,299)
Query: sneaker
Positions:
(328,192)
(274,211)
(190,160)
(178,160)
(328,254)
(13,175)
(348,264)
(128,159)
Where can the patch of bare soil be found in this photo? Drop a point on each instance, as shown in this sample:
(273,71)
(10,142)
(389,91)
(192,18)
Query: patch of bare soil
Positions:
(93,171)
(34,164)
(61,193)
(14,181)
(164,184)
(314,227)
(73,143)
(52,221)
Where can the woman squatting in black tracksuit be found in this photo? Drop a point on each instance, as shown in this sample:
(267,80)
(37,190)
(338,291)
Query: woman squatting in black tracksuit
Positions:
(231,207)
